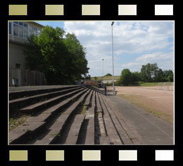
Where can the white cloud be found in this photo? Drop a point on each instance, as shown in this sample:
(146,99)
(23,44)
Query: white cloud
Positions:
(163,60)
(130,37)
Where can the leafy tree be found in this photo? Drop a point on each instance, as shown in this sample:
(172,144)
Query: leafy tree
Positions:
(87,77)
(136,77)
(76,57)
(62,60)
(108,74)
(168,75)
(126,77)
(33,57)
(149,72)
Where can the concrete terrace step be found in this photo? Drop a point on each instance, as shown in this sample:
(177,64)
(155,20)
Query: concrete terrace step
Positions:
(119,128)
(24,132)
(99,108)
(25,91)
(96,89)
(61,120)
(74,130)
(52,101)
(88,99)
(46,116)
(55,130)
(27,101)
(110,127)
(89,118)
(103,137)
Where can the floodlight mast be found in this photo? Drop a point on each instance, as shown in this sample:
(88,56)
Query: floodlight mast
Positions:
(112,60)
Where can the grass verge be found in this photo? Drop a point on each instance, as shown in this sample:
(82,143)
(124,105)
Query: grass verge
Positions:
(17,119)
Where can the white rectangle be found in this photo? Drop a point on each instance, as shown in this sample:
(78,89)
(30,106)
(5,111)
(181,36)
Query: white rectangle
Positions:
(18,155)
(90,9)
(54,9)
(127,155)
(164,155)
(54,155)
(163,9)
(17,10)
(127,9)
(91,155)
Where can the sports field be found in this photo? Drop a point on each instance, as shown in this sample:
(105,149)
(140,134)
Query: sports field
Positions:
(157,100)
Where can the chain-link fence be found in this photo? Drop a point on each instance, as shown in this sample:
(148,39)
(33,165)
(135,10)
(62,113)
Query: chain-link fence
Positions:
(165,86)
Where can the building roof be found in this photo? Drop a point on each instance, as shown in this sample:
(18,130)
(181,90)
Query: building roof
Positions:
(36,23)
(28,21)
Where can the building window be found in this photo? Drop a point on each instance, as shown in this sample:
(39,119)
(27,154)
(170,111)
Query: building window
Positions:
(30,30)
(16,28)
(35,30)
(25,31)
(17,66)
(9,27)
(20,31)
(38,32)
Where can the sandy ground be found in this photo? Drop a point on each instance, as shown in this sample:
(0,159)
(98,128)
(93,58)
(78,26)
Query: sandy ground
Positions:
(156,99)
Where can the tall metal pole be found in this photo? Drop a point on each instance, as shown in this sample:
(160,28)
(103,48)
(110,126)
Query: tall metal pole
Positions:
(102,68)
(112,60)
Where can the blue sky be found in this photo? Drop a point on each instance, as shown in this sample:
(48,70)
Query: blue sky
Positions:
(136,43)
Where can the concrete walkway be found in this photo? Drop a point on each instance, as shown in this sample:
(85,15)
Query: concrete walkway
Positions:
(153,130)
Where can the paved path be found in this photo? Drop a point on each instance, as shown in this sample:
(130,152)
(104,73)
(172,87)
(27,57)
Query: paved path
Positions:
(153,130)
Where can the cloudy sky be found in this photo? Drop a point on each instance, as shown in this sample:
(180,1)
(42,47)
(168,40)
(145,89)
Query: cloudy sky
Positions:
(136,43)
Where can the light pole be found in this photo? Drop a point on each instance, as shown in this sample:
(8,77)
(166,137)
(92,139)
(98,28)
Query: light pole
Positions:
(112,59)
(102,67)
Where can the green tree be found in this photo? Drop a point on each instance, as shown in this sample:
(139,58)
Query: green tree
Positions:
(76,57)
(33,57)
(108,74)
(62,60)
(159,76)
(136,77)
(168,75)
(126,77)
(149,72)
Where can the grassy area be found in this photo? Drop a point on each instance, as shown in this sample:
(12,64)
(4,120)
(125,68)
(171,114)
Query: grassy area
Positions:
(83,111)
(154,83)
(17,120)
(145,103)
(148,83)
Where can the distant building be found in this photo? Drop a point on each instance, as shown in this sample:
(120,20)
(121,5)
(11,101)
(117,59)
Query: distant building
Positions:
(106,79)
(18,32)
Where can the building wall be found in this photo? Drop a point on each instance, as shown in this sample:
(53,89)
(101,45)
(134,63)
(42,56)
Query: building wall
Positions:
(18,31)
(26,77)
(16,55)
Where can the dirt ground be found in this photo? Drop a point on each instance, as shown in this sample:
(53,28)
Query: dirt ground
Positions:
(156,100)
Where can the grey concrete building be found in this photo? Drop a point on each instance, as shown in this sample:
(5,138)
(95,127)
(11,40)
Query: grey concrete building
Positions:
(18,31)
